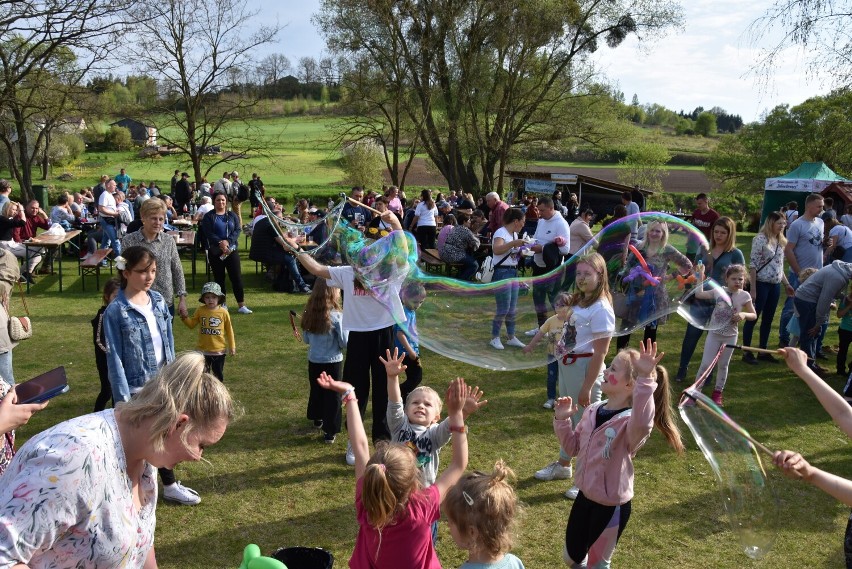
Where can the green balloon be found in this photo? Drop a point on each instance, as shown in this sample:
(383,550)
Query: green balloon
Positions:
(266,563)
(250,553)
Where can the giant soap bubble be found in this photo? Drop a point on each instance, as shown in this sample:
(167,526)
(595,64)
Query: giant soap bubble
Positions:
(747,497)
(457,317)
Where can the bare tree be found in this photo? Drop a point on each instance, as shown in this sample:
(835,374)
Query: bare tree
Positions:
(46,49)
(273,67)
(198,49)
(819,29)
(308,70)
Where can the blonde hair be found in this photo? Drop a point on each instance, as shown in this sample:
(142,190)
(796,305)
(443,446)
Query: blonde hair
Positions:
(152,205)
(8,207)
(665,241)
(663,414)
(597,263)
(768,231)
(805,274)
(485,507)
(181,387)
(389,480)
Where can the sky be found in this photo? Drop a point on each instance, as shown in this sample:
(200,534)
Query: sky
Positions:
(707,63)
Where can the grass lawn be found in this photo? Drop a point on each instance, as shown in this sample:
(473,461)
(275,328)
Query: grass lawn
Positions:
(273,482)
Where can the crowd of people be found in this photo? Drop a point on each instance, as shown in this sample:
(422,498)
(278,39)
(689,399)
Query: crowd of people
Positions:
(168,407)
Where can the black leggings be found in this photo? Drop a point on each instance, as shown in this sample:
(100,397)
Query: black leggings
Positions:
(106,388)
(586,524)
(323,404)
(232,265)
(215,365)
(362,362)
(427,235)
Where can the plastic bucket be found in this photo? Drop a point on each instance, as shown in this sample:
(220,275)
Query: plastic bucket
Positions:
(304,557)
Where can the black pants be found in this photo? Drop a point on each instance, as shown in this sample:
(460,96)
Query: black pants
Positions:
(587,521)
(427,235)
(106,389)
(362,363)
(413,377)
(544,293)
(843,350)
(323,404)
(167,475)
(650,334)
(215,365)
(232,265)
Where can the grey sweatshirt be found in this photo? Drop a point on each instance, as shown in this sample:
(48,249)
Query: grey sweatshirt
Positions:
(823,286)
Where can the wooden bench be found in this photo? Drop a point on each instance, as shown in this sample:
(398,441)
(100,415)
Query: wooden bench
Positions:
(91,265)
(432,260)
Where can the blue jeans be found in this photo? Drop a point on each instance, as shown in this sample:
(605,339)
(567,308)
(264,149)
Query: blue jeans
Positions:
(469,267)
(552,378)
(690,342)
(807,320)
(507,302)
(6,368)
(293,268)
(765,303)
(110,238)
(787,311)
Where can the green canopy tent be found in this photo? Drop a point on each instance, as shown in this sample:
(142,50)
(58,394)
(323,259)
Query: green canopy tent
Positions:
(808,178)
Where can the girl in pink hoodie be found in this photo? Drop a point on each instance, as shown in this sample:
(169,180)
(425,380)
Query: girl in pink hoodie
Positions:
(606,439)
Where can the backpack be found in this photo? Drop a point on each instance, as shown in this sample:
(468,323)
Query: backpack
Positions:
(242,193)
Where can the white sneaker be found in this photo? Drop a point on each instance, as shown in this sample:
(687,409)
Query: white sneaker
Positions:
(179,493)
(496,343)
(554,471)
(513,341)
(531,333)
(549,404)
(244,310)
(350,455)
(572,493)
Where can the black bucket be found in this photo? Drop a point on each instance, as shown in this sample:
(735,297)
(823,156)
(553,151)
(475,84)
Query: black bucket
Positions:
(304,557)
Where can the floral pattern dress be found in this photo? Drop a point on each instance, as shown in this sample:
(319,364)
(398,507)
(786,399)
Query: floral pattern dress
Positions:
(66,500)
(644,299)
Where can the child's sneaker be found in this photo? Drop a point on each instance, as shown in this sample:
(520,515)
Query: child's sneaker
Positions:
(572,493)
(179,493)
(549,404)
(329,438)
(350,455)
(717,397)
(496,343)
(554,471)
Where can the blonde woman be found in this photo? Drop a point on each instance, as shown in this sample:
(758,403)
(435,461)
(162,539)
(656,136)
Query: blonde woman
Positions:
(766,274)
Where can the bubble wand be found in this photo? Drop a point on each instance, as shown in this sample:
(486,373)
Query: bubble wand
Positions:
(296,333)
(702,401)
(757,350)
(362,204)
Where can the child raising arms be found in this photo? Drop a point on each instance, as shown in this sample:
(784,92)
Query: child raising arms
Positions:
(395,514)
(608,435)
(724,320)
(481,510)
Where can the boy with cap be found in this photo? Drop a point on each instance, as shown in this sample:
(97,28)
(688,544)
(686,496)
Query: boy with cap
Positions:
(215,333)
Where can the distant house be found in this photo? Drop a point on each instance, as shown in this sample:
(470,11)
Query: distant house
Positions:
(140,133)
(72,125)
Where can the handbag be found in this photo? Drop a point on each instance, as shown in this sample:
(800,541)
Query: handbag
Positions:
(21,327)
(486,271)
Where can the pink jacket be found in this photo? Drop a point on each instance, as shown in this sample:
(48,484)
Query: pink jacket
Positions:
(606,453)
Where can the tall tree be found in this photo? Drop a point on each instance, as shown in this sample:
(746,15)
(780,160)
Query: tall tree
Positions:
(644,165)
(197,49)
(46,49)
(485,75)
(272,68)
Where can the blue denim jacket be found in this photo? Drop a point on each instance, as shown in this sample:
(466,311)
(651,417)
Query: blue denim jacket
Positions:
(131,360)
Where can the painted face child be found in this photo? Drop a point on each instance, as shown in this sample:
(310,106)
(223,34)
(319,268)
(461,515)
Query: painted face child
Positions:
(617,377)
(587,278)
(423,406)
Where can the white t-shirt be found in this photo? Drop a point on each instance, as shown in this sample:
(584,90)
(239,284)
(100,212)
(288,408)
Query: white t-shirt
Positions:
(361,311)
(107,201)
(203,209)
(843,234)
(549,229)
(591,323)
(504,234)
(147,310)
(426,216)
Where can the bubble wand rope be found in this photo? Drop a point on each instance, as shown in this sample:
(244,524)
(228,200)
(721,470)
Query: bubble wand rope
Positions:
(727,421)
(757,350)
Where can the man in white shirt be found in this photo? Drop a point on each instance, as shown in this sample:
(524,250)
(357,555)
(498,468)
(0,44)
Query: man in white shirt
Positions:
(552,241)
(108,214)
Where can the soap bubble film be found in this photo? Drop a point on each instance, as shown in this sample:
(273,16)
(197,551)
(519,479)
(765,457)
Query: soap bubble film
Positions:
(752,507)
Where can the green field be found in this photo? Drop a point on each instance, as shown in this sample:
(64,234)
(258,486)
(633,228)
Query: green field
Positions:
(273,482)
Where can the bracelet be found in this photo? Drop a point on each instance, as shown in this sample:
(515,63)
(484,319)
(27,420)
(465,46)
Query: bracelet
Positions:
(462,429)
(346,393)
(348,398)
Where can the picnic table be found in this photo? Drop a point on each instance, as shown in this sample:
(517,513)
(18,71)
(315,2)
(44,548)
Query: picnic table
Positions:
(186,240)
(45,241)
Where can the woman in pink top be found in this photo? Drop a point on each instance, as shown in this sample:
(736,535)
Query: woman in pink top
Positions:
(395,514)
(607,438)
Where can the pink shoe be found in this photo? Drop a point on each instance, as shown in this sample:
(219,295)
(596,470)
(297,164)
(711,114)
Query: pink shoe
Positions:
(717,397)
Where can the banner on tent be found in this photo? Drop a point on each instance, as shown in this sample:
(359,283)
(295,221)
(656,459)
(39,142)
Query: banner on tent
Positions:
(795,185)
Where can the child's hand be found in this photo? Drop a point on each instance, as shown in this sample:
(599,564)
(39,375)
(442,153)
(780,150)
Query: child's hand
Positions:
(796,359)
(393,363)
(472,401)
(565,408)
(792,464)
(327,382)
(737,317)
(456,396)
(233,351)
(527,350)
(648,358)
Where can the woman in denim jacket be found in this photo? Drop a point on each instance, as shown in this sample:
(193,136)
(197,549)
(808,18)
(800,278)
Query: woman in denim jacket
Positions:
(138,330)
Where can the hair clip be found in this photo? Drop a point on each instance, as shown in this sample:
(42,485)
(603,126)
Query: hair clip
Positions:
(383,467)
(467,498)
(120,263)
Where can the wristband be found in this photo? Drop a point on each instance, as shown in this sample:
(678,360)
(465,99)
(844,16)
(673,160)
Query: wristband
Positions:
(462,429)
(346,394)
(348,398)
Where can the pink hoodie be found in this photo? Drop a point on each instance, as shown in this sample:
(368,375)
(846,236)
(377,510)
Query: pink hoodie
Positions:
(606,453)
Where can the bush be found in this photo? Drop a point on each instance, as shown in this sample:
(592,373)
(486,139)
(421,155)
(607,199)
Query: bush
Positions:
(363,163)
(118,138)
(65,148)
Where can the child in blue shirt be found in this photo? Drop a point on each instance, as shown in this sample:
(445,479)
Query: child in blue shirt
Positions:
(412,295)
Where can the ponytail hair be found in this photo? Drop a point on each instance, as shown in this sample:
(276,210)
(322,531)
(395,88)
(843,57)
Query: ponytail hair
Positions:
(663,414)
(389,480)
